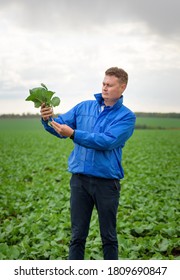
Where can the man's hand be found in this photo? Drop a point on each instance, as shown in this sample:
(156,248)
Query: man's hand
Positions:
(62,129)
(46,112)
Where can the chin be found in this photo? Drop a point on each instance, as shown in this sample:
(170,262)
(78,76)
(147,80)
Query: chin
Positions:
(104,95)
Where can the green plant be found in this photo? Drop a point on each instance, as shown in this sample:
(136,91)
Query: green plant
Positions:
(42,95)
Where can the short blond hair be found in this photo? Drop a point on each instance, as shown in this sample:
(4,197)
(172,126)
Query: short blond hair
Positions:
(119,73)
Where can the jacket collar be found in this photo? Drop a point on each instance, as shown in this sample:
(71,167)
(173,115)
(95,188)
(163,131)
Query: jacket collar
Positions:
(100,100)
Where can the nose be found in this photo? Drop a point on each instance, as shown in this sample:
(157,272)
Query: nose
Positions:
(105,87)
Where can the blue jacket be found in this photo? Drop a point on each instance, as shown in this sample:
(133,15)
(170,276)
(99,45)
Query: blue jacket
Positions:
(99,137)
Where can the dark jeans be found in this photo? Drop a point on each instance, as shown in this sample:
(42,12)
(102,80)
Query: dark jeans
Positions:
(85,193)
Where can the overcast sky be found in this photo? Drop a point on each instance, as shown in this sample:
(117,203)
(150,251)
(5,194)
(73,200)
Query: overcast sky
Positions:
(68,45)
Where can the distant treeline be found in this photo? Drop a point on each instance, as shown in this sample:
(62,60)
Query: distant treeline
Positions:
(138,114)
(158,115)
(17,116)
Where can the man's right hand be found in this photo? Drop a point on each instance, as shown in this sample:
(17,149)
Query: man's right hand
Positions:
(46,112)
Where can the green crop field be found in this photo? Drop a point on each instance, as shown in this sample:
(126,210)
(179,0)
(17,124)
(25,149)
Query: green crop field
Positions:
(34,194)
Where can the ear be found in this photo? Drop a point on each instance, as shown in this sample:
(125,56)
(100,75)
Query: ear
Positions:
(123,87)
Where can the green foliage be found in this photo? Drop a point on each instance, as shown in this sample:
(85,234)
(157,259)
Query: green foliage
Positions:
(42,95)
(34,195)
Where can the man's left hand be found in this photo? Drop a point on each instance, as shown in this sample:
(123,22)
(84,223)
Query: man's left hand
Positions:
(62,129)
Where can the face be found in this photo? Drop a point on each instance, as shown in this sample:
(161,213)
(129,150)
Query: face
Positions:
(112,90)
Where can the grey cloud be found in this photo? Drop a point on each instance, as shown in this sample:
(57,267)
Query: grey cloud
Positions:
(161,16)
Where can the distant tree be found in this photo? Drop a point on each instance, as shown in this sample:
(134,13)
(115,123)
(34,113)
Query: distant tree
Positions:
(138,114)
(158,115)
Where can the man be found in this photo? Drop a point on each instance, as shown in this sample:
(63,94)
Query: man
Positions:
(99,129)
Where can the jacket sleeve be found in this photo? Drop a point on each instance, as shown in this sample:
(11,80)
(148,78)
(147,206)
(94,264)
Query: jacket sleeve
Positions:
(67,118)
(116,136)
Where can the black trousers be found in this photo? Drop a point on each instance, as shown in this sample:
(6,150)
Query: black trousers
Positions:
(87,192)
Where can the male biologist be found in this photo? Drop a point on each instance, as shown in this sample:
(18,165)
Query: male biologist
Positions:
(99,129)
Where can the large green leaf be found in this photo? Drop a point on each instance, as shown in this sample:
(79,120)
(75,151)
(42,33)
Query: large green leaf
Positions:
(37,104)
(55,101)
